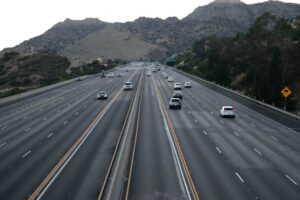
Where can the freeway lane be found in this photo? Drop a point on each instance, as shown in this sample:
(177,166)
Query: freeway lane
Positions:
(251,145)
(84,175)
(154,173)
(27,158)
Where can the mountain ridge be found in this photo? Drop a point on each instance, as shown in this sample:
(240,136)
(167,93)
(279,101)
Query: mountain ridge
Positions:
(150,38)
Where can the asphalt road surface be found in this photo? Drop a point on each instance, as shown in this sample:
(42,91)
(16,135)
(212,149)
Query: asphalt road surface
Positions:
(59,144)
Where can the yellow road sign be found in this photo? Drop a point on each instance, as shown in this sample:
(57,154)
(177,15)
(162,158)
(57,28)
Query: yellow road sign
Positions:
(286,92)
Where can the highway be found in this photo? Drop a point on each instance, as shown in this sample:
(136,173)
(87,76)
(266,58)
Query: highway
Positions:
(66,144)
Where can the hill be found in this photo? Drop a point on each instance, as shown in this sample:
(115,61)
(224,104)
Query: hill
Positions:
(150,38)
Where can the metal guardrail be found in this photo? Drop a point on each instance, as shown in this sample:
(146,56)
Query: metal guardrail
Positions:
(241,95)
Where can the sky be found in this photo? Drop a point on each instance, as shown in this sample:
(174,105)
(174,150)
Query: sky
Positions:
(23,19)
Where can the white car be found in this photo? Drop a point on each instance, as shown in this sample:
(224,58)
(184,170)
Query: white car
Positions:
(227,111)
(170,79)
(148,73)
(187,84)
(177,86)
(127,86)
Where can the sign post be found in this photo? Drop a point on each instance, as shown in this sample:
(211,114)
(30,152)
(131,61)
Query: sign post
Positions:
(286,92)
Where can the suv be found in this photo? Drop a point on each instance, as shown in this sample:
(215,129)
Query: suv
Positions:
(127,86)
(177,94)
(175,103)
(187,84)
(177,86)
(227,111)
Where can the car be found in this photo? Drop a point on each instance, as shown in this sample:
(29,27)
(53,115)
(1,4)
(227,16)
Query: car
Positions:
(110,75)
(127,85)
(148,73)
(78,79)
(164,75)
(177,86)
(102,95)
(126,70)
(227,111)
(177,94)
(119,75)
(175,103)
(170,79)
(187,84)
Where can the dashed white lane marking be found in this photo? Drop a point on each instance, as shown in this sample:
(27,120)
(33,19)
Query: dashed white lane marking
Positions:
(195,121)
(1,145)
(222,121)
(237,174)
(292,180)
(274,138)
(253,125)
(45,118)
(189,112)
(48,136)
(58,110)
(220,152)
(65,122)
(26,154)
(211,113)
(25,117)
(76,113)
(204,106)
(235,133)
(27,129)
(257,151)
(205,132)
(4,127)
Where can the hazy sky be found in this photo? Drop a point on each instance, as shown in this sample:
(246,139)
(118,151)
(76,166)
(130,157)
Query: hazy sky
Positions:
(23,19)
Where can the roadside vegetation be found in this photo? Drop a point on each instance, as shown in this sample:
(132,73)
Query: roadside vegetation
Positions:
(258,63)
(20,73)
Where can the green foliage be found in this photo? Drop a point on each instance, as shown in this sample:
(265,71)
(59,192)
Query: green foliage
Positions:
(95,67)
(260,62)
(9,56)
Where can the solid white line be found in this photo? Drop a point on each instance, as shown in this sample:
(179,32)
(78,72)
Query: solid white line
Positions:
(219,150)
(48,136)
(26,154)
(235,133)
(205,132)
(65,122)
(274,138)
(259,153)
(1,145)
(291,179)
(27,129)
(237,174)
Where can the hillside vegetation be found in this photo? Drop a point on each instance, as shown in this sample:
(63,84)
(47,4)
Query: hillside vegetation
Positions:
(259,62)
(20,73)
